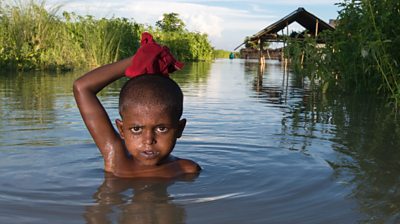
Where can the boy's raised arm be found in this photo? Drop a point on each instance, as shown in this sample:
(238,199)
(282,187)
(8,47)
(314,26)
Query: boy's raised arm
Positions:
(93,113)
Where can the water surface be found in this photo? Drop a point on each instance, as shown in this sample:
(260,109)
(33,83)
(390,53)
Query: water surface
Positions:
(271,152)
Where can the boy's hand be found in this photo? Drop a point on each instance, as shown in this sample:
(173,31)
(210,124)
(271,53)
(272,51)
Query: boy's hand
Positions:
(151,58)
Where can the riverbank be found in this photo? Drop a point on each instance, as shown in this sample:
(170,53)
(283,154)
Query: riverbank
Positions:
(36,36)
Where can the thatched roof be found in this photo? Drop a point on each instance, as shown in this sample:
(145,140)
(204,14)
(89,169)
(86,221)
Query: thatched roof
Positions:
(301,16)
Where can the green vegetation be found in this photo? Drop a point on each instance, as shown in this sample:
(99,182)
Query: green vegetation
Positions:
(185,45)
(361,55)
(34,37)
(96,42)
(171,23)
(310,59)
(218,53)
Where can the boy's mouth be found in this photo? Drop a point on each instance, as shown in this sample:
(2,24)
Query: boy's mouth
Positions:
(149,154)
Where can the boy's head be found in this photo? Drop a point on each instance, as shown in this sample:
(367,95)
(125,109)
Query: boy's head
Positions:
(152,90)
(150,107)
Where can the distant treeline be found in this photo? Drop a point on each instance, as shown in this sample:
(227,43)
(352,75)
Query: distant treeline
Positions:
(36,37)
(361,55)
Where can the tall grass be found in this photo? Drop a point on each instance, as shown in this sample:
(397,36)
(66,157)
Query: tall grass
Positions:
(26,33)
(36,36)
(103,40)
(362,54)
(312,60)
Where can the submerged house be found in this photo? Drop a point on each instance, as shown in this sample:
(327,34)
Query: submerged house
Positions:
(278,31)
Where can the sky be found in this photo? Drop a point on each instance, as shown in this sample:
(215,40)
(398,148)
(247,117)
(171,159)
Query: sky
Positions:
(226,22)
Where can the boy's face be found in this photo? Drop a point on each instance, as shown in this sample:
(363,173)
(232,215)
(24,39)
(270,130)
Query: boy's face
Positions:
(149,132)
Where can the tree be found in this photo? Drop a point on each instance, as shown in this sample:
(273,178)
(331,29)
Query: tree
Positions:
(171,23)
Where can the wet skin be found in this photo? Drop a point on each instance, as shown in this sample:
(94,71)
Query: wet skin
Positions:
(150,134)
(146,131)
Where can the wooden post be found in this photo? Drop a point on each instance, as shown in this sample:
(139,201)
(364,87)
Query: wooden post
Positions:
(316,27)
(260,74)
(261,56)
(282,51)
(287,36)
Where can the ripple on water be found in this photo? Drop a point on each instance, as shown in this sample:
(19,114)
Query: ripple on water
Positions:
(48,185)
(238,181)
(269,183)
(263,158)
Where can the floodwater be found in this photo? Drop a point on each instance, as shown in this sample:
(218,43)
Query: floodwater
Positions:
(271,152)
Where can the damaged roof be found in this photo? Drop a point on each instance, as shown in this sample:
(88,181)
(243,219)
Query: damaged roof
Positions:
(301,16)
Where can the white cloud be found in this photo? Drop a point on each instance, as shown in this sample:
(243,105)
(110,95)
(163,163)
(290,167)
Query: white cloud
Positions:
(197,17)
(205,23)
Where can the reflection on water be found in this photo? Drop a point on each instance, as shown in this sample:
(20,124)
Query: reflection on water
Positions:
(273,94)
(135,201)
(363,131)
(368,144)
(272,152)
(29,102)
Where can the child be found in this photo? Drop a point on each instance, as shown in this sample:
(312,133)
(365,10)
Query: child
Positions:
(150,107)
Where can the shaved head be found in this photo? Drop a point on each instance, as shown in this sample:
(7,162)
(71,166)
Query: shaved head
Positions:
(154,90)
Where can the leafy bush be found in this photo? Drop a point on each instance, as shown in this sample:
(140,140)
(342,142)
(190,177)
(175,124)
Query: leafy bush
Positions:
(361,55)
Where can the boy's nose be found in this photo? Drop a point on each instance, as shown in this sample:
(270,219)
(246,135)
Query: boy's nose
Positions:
(149,137)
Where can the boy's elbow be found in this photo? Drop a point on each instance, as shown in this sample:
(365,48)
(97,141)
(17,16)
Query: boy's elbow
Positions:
(78,87)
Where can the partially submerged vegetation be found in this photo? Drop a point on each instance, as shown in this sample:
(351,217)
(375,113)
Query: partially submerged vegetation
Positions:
(361,55)
(34,36)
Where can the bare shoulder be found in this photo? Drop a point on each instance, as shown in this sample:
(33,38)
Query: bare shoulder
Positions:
(189,166)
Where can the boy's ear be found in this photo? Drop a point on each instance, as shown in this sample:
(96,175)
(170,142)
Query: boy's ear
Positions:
(181,127)
(119,124)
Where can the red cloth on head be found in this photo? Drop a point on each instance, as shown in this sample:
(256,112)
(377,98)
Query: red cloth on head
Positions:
(151,58)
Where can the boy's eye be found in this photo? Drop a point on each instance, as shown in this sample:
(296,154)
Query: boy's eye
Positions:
(136,130)
(162,129)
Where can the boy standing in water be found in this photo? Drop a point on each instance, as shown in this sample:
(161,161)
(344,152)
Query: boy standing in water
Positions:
(150,107)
